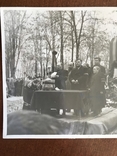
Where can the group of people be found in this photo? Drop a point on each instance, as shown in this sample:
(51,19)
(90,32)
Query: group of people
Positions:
(14,86)
(84,77)
(77,77)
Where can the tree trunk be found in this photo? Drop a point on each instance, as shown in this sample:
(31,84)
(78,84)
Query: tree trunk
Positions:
(36,68)
(52,31)
(13,69)
(92,48)
(79,36)
(61,28)
(7,68)
(75,32)
(72,36)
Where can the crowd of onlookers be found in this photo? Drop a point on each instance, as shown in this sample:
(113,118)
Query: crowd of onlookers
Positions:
(14,86)
(78,76)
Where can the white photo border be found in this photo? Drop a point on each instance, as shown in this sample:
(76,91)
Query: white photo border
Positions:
(5,136)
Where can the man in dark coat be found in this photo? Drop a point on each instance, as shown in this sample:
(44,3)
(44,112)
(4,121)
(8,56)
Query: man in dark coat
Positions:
(78,79)
(97,63)
(77,76)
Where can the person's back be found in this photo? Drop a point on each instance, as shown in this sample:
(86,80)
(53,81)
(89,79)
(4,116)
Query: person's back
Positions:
(60,80)
(60,77)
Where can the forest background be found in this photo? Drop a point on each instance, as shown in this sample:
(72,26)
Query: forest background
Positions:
(32,35)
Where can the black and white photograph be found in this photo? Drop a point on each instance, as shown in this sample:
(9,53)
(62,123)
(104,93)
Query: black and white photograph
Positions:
(59,71)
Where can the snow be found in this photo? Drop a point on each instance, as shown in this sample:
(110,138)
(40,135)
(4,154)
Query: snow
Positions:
(15,98)
(14,104)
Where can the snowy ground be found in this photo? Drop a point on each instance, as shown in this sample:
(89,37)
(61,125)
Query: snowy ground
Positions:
(14,103)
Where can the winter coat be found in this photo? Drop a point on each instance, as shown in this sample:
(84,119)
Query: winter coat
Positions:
(79,74)
(97,92)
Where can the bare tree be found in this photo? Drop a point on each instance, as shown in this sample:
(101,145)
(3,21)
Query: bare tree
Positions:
(76,33)
(15,37)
